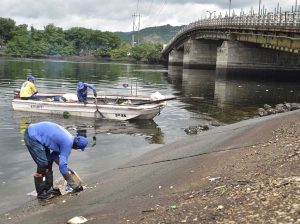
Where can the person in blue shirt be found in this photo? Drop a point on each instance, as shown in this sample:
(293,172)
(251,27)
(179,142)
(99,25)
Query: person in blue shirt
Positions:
(82,91)
(48,142)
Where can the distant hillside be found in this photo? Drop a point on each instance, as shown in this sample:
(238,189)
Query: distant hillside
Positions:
(159,34)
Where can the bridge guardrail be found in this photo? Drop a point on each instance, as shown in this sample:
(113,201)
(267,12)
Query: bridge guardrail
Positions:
(284,21)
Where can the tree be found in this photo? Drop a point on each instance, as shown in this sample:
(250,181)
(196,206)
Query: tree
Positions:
(121,52)
(20,42)
(146,51)
(38,43)
(153,53)
(6,26)
(56,42)
(80,37)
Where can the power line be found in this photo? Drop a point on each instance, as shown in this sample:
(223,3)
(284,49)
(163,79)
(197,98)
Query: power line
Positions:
(137,6)
(159,11)
(149,8)
(162,8)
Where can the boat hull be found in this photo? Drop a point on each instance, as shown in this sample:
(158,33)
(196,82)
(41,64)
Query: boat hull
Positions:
(107,111)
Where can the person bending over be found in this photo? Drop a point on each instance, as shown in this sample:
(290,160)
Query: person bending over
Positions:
(49,142)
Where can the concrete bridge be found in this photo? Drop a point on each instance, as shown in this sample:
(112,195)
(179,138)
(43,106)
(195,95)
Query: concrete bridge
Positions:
(268,42)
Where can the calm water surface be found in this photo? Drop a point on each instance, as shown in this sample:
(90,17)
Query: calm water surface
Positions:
(113,143)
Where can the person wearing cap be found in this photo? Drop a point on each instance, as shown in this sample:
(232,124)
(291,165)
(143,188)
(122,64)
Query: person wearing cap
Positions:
(82,91)
(28,89)
(48,142)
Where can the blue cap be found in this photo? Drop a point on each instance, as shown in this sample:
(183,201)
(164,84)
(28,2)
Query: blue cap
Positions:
(80,85)
(31,77)
(81,142)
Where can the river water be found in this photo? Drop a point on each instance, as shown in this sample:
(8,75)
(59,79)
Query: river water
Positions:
(227,99)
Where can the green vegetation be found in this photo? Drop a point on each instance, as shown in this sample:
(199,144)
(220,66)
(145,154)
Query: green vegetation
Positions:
(66,114)
(22,41)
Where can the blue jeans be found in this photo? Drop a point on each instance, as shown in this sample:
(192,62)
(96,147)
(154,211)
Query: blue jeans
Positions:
(39,153)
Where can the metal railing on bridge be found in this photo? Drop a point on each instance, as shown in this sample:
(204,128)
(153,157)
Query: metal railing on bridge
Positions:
(285,21)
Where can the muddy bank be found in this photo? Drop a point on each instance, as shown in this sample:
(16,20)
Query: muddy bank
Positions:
(245,172)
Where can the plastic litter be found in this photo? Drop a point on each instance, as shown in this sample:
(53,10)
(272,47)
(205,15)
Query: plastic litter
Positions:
(62,184)
(220,207)
(77,220)
(173,206)
(68,188)
(32,193)
(212,179)
(220,187)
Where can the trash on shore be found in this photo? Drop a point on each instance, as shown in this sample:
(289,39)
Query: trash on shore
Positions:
(212,179)
(220,187)
(77,220)
(61,184)
(148,210)
(220,207)
(32,193)
(173,206)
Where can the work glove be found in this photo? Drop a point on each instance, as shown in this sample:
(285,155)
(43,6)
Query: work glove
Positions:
(95,94)
(73,185)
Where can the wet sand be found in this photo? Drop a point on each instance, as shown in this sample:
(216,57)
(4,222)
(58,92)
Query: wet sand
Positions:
(256,163)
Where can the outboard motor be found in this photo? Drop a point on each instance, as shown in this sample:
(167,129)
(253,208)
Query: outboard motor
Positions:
(16,93)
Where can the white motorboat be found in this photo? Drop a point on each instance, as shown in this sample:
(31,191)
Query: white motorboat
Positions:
(114,107)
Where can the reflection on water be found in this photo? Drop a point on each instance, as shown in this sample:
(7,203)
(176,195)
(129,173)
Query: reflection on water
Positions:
(90,128)
(24,123)
(227,98)
(193,79)
(232,96)
(255,75)
(241,94)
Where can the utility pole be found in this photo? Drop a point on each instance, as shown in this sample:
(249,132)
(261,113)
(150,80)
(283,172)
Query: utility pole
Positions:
(133,26)
(139,25)
(229,7)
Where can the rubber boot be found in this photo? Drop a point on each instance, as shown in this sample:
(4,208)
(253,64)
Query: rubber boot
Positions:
(49,184)
(41,188)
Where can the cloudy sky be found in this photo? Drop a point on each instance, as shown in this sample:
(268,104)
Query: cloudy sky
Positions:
(116,15)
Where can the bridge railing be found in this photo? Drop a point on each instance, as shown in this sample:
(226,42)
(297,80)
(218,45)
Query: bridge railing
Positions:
(283,20)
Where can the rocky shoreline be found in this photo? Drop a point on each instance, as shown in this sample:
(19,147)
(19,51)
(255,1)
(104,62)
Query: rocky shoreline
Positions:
(279,108)
(259,184)
(262,112)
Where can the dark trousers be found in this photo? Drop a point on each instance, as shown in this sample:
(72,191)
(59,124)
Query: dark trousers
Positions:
(39,153)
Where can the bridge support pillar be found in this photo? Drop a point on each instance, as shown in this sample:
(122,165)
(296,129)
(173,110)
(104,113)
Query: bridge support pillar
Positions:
(176,57)
(200,54)
(248,56)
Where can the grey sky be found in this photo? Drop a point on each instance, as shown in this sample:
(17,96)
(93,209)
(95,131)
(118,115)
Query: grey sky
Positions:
(116,15)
